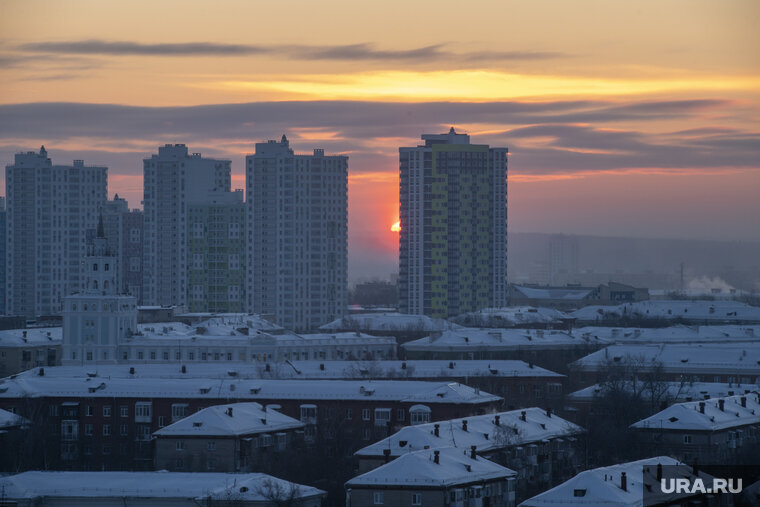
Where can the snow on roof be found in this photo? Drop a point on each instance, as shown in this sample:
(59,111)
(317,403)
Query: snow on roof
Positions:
(679,333)
(31,337)
(719,311)
(494,339)
(481,431)
(311,369)
(512,317)
(707,415)
(565,293)
(676,391)
(10,420)
(391,321)
(455,466)
(162,484)
(602,486)
(232,388)
(706,358)
(233,419)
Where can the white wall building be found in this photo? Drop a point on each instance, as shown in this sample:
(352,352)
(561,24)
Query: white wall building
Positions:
(97,319)
(49,210)
(297,222)
(174,180)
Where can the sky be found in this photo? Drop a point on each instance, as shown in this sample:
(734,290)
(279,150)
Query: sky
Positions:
(621,118)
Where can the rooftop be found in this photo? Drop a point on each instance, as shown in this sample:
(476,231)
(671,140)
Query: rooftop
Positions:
(512,317)
(10,420)
(741,358)
(676,391)
(564,293)
(454,467)
(390,321)
(708,415)
(718,311)
(674,334)
(494,339)
(412,391)
(230,420)
(31,337)
(603,486)
(199,486)
(480,431)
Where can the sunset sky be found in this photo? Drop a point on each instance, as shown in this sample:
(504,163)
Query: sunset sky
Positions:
(622,118)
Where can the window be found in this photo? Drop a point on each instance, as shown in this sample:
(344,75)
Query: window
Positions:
(416,499)
(211,445)
(687,439)
(265,440)
(106,430)
(400,414)
(377,498)
(88,430)
(382,416)
(419,414)
(89,411)
(365,414)
(106,448)
(143,411)
(53,410)
(107,411)
(179,411)
(211,464)
(309,414)
(180,445)
(124,411)
(153,355)
(161,421)
(123,430)
(349,414)
(180,463)
(366,433)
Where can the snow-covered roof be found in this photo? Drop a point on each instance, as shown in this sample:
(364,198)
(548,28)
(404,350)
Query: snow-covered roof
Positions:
(311,369)
(31,337)
(481,431)
(672,334)
(564,293)
(718,311)
(601,487)
(468,339)
(412,391)
(233,419)
(675,391)
(390,321)
(705,358)
(10,420)
(512,317)
(455,466)
(162,484)
(706,415)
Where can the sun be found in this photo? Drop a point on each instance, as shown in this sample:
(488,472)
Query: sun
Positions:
(396,227)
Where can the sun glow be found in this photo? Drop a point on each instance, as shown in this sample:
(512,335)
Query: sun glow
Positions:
(396,227)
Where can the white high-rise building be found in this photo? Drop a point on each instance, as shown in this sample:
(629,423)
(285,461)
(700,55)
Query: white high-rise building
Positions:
(98,319)
(50,208)
(297,242)
(174,180)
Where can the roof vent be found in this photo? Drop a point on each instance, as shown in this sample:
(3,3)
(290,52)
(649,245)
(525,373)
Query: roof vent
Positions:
(623,482)
(197,424)
(229,411)
(523,416)
(436,457)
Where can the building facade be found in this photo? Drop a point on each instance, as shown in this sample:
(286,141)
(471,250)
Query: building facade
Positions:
(297,223)
(174,180)
(2,255)
(216,254)
(124,232)
(50,208)
(453,238)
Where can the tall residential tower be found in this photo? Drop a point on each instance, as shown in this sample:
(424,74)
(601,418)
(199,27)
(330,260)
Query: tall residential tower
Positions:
(453,238)
(297,221)
(50,208)
(174,180)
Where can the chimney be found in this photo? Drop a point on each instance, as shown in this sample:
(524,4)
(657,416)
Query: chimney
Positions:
(623,482)
(267,367)
(403,365)
(743,400)
(497,420)
(464,424)
(131,370)
(451,365)
(436,429)
(659,472)
(42,373)
(548,412)
(523,416)
(322,366)
(721,404)
(387,455)
(695,468)
(229,411)
(436,459)
(184,369)
(701,407)
(472,452)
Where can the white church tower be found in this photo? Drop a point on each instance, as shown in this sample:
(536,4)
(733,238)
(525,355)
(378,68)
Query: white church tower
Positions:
(98,319)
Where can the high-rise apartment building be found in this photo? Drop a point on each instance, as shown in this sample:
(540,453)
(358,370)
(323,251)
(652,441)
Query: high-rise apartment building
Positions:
(453,238)
(216,250)
(50,208)
(174,180)
(124,233)
(2,255)
(297,221)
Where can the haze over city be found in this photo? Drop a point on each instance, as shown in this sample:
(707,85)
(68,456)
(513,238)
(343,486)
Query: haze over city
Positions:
(622,119)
